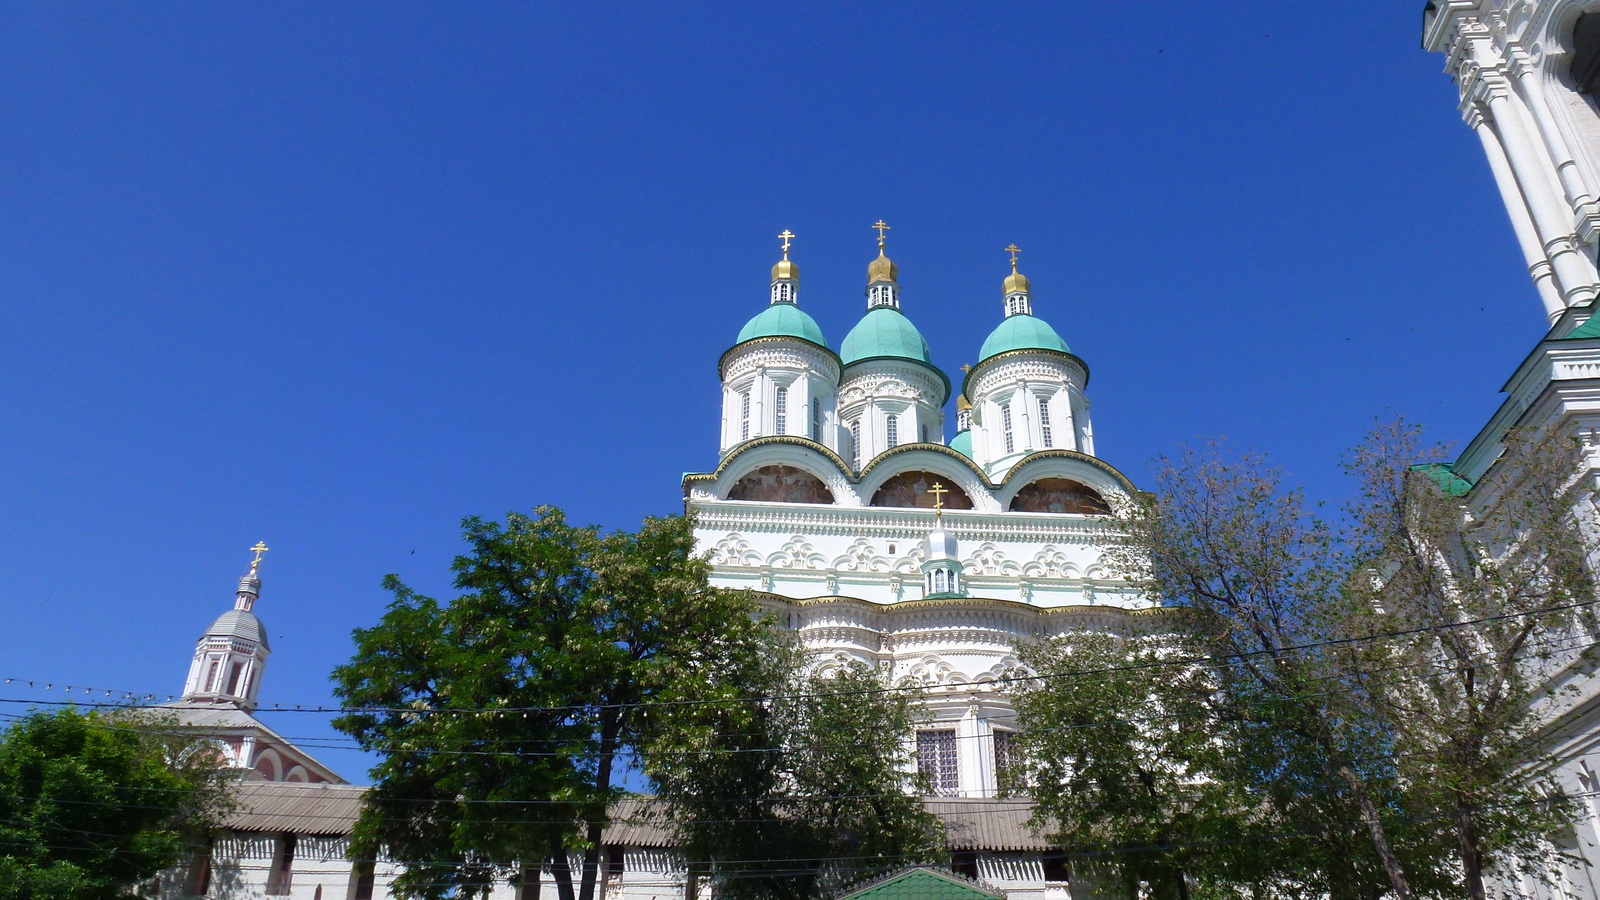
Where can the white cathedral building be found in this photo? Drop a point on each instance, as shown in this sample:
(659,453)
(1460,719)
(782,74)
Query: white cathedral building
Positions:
(839,498)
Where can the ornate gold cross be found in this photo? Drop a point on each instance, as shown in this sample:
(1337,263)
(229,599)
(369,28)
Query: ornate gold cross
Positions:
(966,368)
(786,236)
(938,491)
(882,227)
(1013,250)
(258,549)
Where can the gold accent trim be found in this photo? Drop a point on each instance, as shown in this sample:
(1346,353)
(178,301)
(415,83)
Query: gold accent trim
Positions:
(966,382)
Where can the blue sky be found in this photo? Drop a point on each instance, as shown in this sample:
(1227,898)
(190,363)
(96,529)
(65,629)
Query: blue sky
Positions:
(335,276)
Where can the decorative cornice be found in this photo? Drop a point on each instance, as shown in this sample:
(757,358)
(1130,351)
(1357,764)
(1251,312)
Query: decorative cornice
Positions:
(775,339)
(900,522)
(1095,461)
(940,449)
(966,383)
(845,373)
(746,446)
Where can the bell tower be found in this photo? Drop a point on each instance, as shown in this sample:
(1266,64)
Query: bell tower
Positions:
(1529,80)
(230,657)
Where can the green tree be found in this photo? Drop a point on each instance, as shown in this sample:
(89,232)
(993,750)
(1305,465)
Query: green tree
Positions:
(504,718)
(794,796)
(93,807)
(1489,595)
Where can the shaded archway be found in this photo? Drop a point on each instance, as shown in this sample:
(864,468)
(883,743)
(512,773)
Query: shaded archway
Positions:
(910,489)
(1586,53)
(1059,495)
(781,484)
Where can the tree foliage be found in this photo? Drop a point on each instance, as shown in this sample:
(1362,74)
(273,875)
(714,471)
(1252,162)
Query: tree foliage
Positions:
(1342,708)
(504,718)
(792,797)
(92,807)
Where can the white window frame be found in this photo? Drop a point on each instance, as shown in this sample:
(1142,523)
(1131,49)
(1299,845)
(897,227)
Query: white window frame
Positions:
(780,411)
(744,415)
(1005,426)
(891,430)
(1044,422)
(939,759)
(855,443)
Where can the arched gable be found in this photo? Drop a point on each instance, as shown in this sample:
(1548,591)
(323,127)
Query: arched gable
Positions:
(945,465)
(911,489)
(793,453)
(1094,473)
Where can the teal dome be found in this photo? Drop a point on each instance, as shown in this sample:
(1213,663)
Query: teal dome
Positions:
(962,443)
(1022,332)
(884,331)
(783,320)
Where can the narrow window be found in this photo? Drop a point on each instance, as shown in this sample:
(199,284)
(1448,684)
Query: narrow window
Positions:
(1004,754)
(744,416)
(211,676)
(924,434)
(1586,53)
(281,877)
(893,431)
(855,444)
(363,880)
(1005,425)
(781,408)
(816,419)
(233,678)
(1044,421)
(936,759)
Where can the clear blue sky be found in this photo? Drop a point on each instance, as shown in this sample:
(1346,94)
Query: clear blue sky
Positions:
(333,276)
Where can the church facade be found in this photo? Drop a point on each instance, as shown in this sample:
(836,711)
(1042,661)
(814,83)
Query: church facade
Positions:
(1528,73)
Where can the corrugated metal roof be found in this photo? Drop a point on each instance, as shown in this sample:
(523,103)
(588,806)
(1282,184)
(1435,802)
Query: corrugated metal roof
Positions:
(995,825)
(297,808)
(922,883)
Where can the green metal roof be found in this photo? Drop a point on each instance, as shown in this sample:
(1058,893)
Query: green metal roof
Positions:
(962,443)
(1589,329)
(783,320)
(1446,478)
(1021,332)
(884,331)
(922,884)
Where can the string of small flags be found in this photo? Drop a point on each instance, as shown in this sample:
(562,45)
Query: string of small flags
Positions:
(73,688)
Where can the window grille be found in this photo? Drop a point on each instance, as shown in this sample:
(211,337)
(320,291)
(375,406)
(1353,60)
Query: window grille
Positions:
(893,431)
(1004,751)
(744,416)
(1005,425)
(816,419)
(936,758)
(781,409)
(1044,421)
(855,444)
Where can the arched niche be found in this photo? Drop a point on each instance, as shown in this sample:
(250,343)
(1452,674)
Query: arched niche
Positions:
(780,484)
(1586,54)
(910,489)
(1059,495)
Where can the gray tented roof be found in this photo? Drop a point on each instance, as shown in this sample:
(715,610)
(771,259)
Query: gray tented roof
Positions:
(242,624)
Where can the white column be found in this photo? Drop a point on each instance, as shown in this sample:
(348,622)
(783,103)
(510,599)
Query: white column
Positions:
(1521,222)
(1551,216)
(760,389)
(1531,80)
(1022,403)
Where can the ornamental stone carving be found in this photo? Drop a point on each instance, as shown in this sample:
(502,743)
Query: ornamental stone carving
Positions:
(734,550)
(797,553)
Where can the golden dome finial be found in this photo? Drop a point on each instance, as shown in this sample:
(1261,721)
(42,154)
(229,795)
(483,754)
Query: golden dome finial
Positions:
(882,268)
(783,269)
(1016,282)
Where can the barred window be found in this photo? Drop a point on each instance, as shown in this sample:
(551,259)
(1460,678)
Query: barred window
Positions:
(816,419)
(1004,750)
(1044,421)
(744,416)
(936,758)
(780,408)
(855,444)
(1005,425)
(893,431)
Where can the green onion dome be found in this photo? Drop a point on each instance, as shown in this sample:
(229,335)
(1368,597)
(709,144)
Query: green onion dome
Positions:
(962,443)
(783,320)
(1021,332)
(884,331)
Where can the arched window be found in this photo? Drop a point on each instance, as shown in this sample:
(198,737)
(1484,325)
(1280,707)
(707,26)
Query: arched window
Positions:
(816,419)
(1586,54)
(892,431)
(780,407)
(855,444)
(1005,425)
(1044,421)
(744,416)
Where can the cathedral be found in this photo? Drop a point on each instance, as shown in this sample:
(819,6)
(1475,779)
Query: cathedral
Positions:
(841,500)
(844,499)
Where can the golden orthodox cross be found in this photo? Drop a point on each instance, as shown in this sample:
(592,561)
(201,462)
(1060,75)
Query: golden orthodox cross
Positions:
(938,491)
(786,236)
(1013,250)
(258,549)
(882,227)
(965,367)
